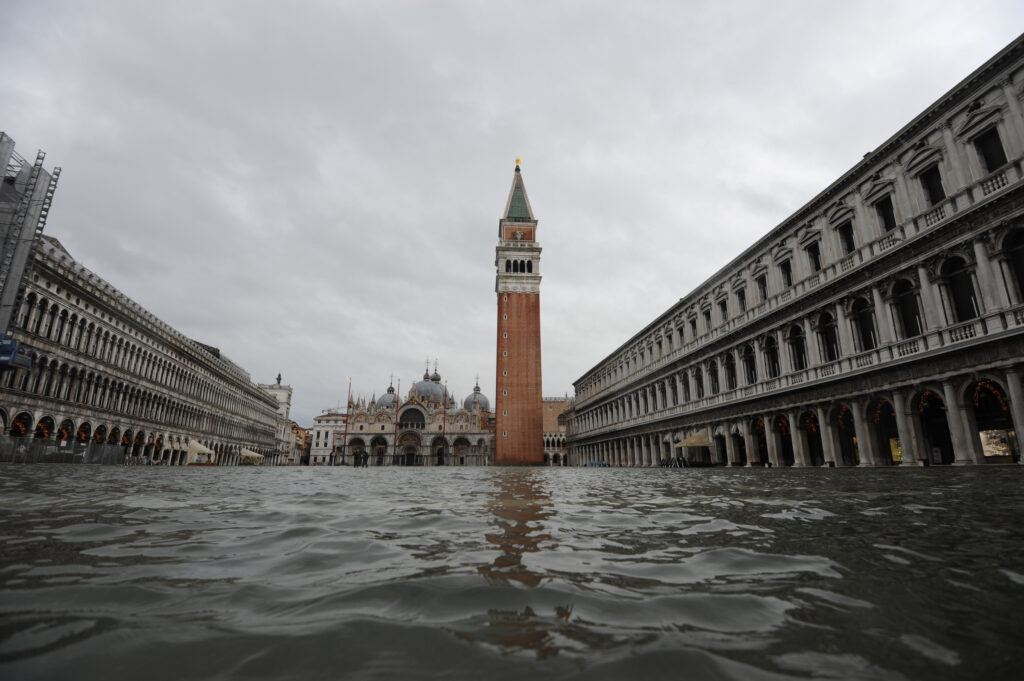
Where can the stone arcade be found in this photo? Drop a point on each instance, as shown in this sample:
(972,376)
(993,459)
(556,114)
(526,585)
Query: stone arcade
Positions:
(880,324)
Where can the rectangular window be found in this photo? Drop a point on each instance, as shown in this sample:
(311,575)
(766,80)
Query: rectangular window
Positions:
(990,150)
(707,320)
(814,257)
(886,216)
(723,310)
(787,274)
(741,299)
(762,287)
(693,328)
(931,182)
(845,232)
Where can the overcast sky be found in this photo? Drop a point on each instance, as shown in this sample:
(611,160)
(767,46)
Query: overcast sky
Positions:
(315,187)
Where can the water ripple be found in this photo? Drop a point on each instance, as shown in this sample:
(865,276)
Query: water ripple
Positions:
(495,573)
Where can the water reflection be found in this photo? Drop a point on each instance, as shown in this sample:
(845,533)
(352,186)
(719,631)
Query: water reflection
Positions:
(519,506)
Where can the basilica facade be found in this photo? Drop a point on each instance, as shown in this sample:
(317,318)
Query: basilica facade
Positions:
(881,324)
(426,428)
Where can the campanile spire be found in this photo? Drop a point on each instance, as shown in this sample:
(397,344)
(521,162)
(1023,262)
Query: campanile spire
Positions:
(519,436)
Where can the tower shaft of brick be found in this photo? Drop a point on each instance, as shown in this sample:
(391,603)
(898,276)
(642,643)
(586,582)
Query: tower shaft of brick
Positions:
(519,436)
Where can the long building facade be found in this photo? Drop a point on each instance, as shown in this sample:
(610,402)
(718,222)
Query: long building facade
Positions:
(110,382)
(881,324)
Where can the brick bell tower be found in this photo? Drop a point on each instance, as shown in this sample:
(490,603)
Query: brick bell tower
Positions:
(519,436)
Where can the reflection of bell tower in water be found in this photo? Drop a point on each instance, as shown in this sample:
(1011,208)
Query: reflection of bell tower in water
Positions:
(519,436)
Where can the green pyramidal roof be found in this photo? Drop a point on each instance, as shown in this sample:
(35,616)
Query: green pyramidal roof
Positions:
(518,204)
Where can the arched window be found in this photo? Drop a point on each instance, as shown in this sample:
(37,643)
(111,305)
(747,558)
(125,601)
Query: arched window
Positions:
(713,376)
(797,347)
(908,316)
(828,337)
(771,357)
(749,365)
(730,372)
(864,323)
(698,382)
(529,266)
(508,265)
(515,266)
(957,278)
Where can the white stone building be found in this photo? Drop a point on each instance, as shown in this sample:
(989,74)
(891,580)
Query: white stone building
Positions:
(881,324)
(112,382)
(284,437)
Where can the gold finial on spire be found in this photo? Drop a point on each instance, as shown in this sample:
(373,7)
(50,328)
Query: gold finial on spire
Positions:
(519,161)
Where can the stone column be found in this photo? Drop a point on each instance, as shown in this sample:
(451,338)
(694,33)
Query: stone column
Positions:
(1016,391)
(847,347)
(931,308)
(883,319)
(810,344)
(960,175)
(993,294)
(865,443)
(745,434)
(1007,276)
(828,436)
(730,449)
(800,457)
(773,446)
(908,442)
(1014,123)
(963,449)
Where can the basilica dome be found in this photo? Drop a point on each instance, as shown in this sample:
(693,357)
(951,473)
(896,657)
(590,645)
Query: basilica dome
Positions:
(429,389)
(476,400)
(387,399)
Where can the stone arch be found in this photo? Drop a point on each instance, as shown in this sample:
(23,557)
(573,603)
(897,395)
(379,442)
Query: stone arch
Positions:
(739,445)
(45,428)
(356,450)
(841,418)
(21,426)
(862,314)
(378,449)
(409,449)
(881,421)
(771,356)
(810,431)
(65,431)
(749,360)
(439,450)
(759,435)
(990,421)
(794,338)
(783,431)
(931,412)
(956,278)
(138,443)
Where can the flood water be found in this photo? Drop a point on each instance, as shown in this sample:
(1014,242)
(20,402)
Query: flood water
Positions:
(491,573)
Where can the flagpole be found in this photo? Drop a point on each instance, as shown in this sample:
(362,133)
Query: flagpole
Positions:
(344,438)
(444,423)
(394,451)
